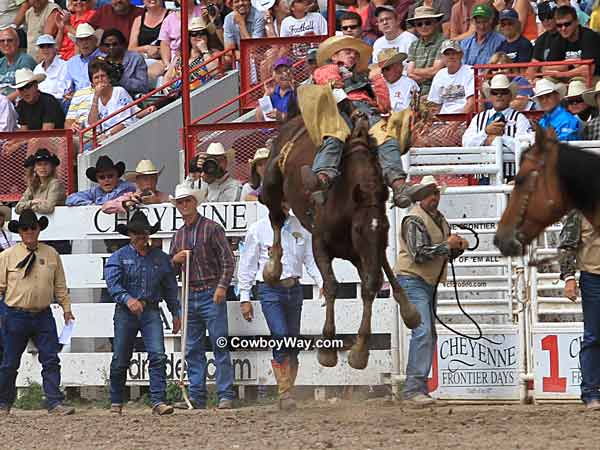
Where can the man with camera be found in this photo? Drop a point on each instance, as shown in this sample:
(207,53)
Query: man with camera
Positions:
(218,185)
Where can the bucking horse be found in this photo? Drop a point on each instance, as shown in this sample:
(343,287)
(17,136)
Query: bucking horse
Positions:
(351,225)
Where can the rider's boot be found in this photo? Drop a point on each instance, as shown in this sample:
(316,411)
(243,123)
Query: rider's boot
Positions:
(405,195)
(316,183)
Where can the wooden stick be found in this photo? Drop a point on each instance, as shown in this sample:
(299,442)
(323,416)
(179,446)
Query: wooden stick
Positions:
(185,292)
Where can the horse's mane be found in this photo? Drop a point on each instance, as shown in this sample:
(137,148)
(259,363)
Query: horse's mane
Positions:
(579,174)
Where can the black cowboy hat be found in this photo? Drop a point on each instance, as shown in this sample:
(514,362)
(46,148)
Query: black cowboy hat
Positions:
(27,219)
(104,163)
(138,223)
(43,154)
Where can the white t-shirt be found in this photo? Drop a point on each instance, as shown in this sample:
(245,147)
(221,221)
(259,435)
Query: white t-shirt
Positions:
(401,91)
(120,97)
(312,23)
(401,43)
(452,90)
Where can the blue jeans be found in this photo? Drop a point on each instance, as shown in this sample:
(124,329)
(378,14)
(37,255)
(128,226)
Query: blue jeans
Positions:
(17,328)
(127,325)
(589,355)
(204,314)
(422,341)
(282,309)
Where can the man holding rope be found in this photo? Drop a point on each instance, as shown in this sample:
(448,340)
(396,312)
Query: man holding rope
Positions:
(425,247)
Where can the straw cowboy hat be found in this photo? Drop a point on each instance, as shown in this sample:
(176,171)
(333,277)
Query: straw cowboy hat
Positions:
(428,180)
(25,76)
(27,219)
(590,96)
(387,57)
(105,163)
(334,44)
(259,155)
(85,30)
(545,86)
(197,24)
(183,191)
(218,149)
(42,154)
(576,89)
(425,12)
(138,223)
(144,167)
(499,81)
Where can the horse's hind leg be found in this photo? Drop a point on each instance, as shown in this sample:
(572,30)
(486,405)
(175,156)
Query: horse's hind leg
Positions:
(408,311)
(272,197)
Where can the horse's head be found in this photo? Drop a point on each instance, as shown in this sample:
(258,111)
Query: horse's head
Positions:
(536,200)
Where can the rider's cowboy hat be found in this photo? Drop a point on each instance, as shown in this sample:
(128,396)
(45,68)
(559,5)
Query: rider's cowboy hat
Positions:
(429,180)
(387,57)
(25,76)
(499,81)
(27,219)
(144,167)
(138,223)
(425,12)
(576,89)
(105,163)
(42,154)
(183,191)
(545,86)
(259,155)
(590,96)
(334,44)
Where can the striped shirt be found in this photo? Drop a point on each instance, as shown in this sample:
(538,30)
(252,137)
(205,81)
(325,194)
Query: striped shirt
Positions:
(212,261)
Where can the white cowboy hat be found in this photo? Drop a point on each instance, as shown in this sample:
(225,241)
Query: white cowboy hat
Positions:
(499,81)
(334,44)
(430,179)
(590,96)
(183,191)
(261,153)
(576,89)
(197,24)
(217,149)
(25,76)
(425,12)
(144,167)
(545,86)
(84,30)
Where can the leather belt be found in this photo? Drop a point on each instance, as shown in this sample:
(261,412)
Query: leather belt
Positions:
(149,305)
(286,283)
(30,311)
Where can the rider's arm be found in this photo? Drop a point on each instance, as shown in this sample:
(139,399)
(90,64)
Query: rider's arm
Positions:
(570,238)
(419,243)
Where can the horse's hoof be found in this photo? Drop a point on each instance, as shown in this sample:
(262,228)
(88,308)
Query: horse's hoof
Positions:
(327,358)
(410,316)
(358,359)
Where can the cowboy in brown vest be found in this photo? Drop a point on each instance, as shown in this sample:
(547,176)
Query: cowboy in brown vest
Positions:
(425,247)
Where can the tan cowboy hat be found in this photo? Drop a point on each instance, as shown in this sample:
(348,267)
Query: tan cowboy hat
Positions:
(499,81)
(217,149)
(576,88)
(25,76)
(334,44)
(387,57)
(590,96)
(197,24)
(425,12)
(431,180)
(545,86)
(85,30)
(144,167)
(183,191)
(260,154)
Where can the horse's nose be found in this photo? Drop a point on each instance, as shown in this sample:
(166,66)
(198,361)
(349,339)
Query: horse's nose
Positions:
(508,246)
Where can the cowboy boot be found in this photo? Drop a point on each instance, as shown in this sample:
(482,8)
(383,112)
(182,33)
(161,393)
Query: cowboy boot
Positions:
(316,184)
(405,195)
(284,385)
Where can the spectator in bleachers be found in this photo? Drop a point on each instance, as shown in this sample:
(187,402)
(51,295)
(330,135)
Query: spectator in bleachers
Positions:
(499,121)
(361,9)
(453,86)
(371,25)
(484,42)
(145,178)
(194,177)
(77,67)
(44,190)
(170,33)
(516,46)
(548,95)
(128,69)
(218,185)
(274,17)
(394,36)
(110,186)
(525,16)
(12,61)
(40,19)
(244,22)
(37,110)
(573,42)
(591,129)
(351,25)
(541,48)
(461,23)
(444,7)
(424,59)
(281,93)
(400,87)
(144,36)
(5,240)
(521,101)
(301,22)
(107,99)
(120,14)
(252,189)
(574,103)
(214,15)
(80,11)
(8,115)
(53,66)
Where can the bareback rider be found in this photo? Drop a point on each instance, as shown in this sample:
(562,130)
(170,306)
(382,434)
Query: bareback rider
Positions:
(343,63)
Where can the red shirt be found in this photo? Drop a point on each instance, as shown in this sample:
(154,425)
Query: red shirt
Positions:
(67,46)
(105,18)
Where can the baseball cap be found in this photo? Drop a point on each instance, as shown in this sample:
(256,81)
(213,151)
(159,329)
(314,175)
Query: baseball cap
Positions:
(45,39)
(509,14)
(482,10)
(382,8)
(283,61)
(450,45)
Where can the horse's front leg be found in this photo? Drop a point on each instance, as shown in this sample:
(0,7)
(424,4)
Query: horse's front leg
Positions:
(408,311)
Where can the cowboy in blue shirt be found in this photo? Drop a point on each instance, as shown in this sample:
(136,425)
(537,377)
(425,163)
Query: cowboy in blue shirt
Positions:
(138,277)
(479,48)
(547,96)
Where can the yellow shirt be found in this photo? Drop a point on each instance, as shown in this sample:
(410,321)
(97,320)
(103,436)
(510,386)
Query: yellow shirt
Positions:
(45,282)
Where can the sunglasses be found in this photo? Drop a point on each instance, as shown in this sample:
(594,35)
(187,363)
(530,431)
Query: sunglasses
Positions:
(107,176)
(349,27)
(111,44)
(27,86)
(423,23)
(564,24)
(574,101)
(499,92)
(198,33)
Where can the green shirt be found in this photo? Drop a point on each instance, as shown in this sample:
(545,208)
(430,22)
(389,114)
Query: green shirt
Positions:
(423,54)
